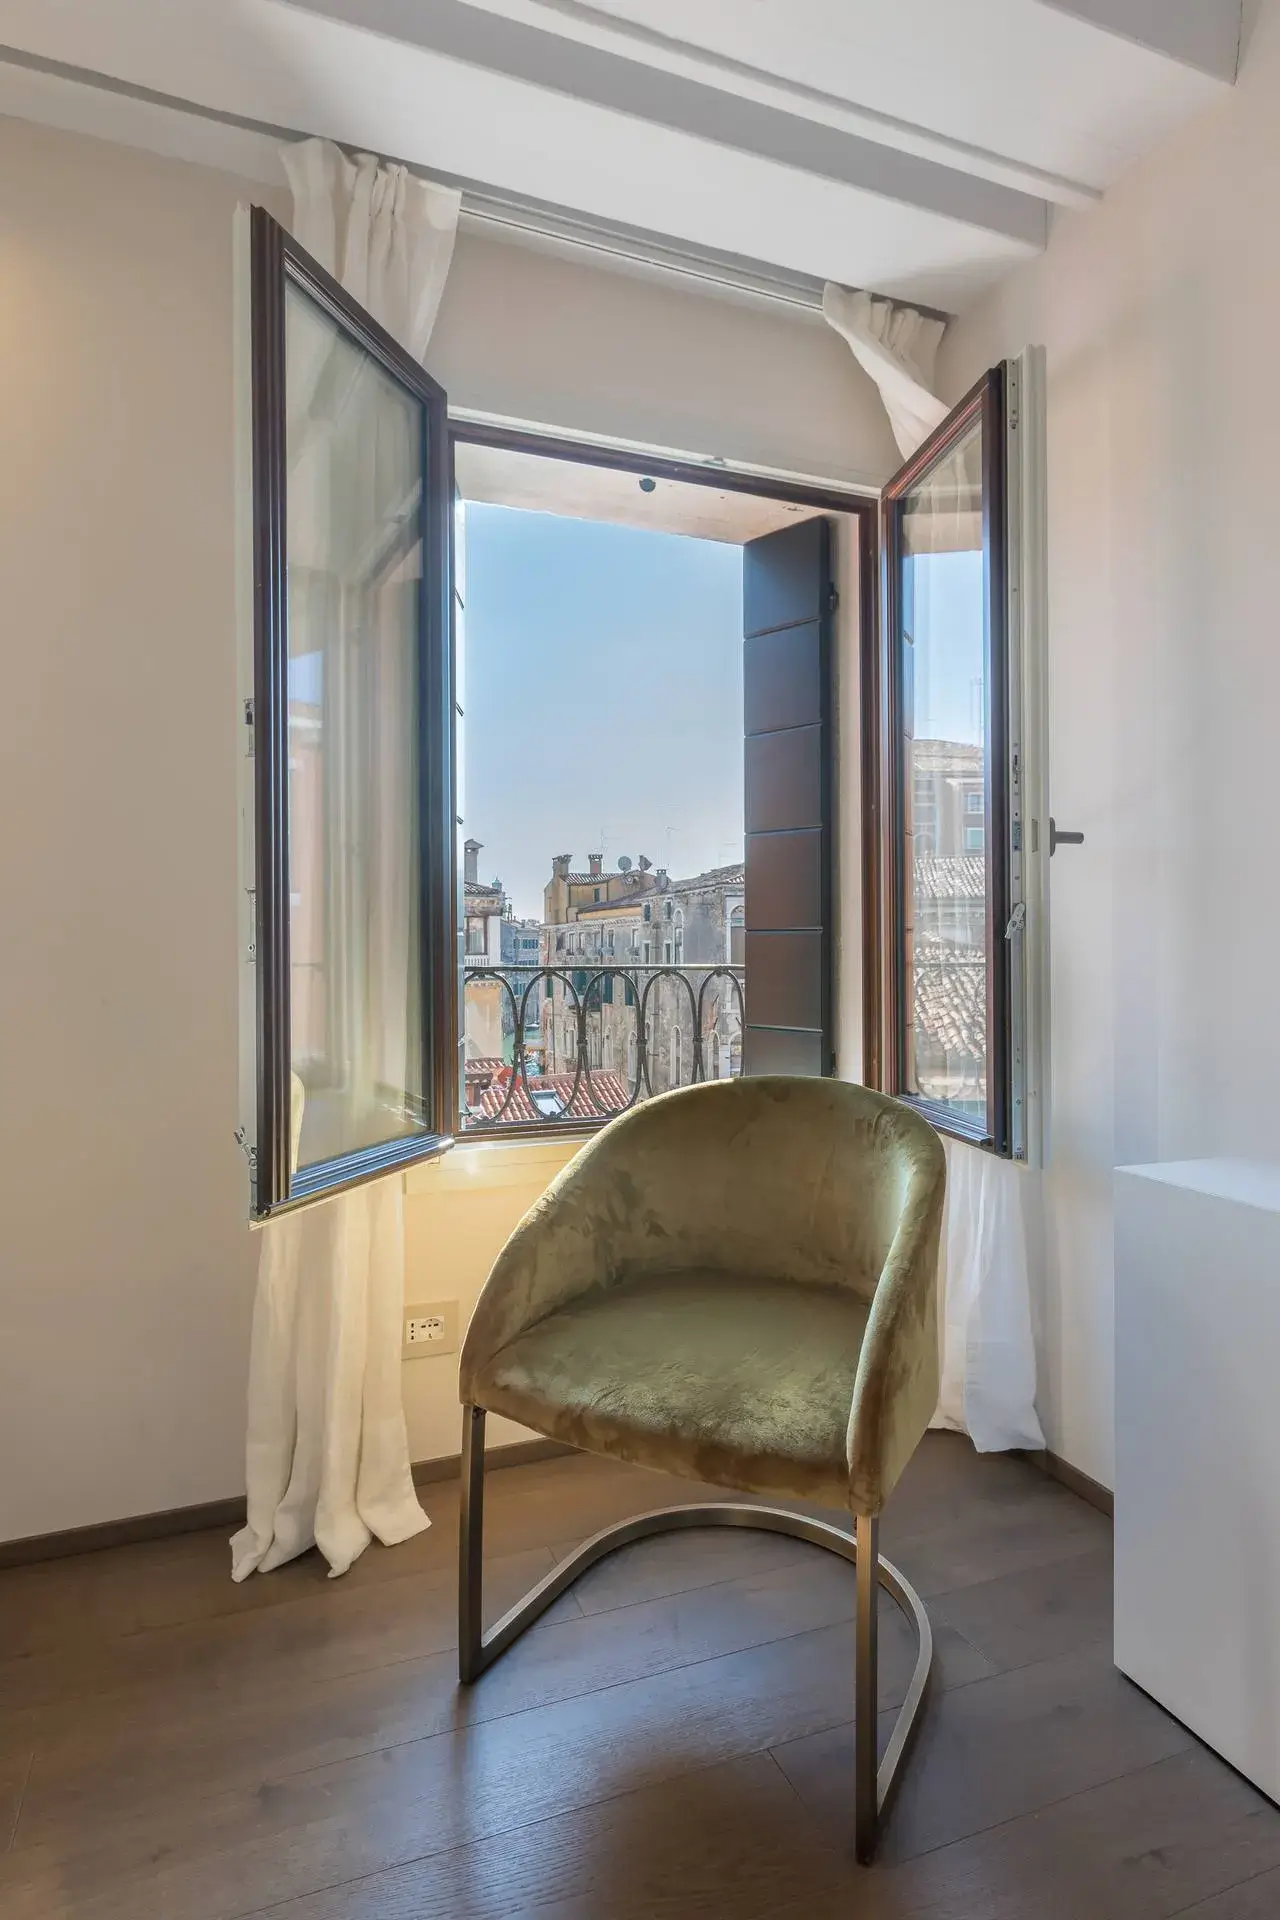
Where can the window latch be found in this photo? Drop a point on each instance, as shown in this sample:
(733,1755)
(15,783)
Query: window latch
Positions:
(1017,920)
(1059,837)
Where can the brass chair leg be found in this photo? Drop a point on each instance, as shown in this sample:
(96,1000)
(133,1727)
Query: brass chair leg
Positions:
(873,1785)
(866,1801)
(471,1663)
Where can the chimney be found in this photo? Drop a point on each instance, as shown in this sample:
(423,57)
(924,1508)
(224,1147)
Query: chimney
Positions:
(594,862)
(560,865)
(661,878)
(471,860)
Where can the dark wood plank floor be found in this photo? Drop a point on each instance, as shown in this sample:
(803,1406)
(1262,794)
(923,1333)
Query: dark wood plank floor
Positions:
(672,1743)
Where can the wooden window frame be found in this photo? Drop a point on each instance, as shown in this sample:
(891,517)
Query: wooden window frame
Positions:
(864,508)
(884,836)
(276,259)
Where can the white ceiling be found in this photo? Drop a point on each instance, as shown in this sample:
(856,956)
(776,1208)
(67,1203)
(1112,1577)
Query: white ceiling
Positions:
(916,147)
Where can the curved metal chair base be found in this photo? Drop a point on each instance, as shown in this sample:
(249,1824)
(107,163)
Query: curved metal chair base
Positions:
(873,1786)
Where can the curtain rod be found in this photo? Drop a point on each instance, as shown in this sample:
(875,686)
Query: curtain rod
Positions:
(728,272)
(543,223)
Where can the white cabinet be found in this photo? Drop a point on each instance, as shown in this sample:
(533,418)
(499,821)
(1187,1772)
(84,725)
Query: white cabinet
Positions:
(1198,1450)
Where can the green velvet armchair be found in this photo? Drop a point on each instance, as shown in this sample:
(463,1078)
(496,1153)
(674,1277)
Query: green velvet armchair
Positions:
(735,1283)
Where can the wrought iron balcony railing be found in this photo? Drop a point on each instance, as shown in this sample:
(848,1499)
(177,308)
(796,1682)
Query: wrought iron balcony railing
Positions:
(571,1045)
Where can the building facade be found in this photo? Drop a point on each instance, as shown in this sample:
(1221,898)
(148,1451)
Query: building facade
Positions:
(493,938)
(671,936)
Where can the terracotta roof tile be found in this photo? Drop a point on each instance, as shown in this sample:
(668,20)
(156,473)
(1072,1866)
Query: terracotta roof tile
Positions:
(610,1091)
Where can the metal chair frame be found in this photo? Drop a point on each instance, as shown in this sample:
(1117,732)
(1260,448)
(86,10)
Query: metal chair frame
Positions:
(873,1786)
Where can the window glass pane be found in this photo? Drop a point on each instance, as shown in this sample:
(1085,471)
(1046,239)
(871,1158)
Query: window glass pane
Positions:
(354,454)
(944,706)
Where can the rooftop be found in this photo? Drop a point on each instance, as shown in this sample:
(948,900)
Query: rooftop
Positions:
(730,876)
(606,1093)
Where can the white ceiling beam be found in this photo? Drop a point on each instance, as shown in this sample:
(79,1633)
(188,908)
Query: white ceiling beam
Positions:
(557,64)
(636,40)
(1204,34)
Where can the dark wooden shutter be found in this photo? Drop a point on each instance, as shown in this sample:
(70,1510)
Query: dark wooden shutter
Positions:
(788,600)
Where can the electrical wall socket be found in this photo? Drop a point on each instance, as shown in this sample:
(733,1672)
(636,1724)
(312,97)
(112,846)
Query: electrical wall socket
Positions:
(430,1329)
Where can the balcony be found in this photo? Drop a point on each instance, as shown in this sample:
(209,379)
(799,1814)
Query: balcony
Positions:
(574,1046)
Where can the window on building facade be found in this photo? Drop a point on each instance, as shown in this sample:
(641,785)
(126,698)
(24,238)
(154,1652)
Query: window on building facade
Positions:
(677,1060)
(974,803)
(737,936)
(973,839)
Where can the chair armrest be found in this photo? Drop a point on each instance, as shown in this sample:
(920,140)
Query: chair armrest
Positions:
(895,1392)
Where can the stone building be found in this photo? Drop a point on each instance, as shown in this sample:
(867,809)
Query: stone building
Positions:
(640,920)
(493,937)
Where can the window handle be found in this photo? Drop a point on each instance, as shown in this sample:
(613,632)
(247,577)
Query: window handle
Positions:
(1059,837)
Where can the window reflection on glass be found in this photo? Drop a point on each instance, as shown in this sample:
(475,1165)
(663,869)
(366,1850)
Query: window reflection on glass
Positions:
(944,722)
(354,454)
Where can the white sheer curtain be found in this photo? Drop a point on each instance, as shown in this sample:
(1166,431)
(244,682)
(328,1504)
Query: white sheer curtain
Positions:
(897,346)
(988,1345)
(327,1455)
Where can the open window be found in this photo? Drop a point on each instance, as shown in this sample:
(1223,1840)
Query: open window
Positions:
(951,804)
(649,663)
(348,996)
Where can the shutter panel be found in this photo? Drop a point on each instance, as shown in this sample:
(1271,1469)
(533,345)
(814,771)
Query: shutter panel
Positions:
(788,599)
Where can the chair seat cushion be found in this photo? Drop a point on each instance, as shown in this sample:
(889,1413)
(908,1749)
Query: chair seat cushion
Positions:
(736,1380)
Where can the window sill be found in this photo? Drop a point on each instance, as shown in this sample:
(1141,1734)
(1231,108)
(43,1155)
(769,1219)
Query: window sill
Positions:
(951,1125)
(475,1163)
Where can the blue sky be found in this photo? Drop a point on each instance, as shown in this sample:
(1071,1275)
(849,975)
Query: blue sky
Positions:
(603,696)
(949,646)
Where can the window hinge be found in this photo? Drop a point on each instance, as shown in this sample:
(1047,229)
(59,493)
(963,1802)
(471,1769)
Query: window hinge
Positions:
(833,598)
(248,721)
(251,1155)
(1017,920)
(251,945)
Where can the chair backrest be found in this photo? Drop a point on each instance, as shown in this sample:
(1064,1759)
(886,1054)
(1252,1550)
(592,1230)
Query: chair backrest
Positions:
(800,1179)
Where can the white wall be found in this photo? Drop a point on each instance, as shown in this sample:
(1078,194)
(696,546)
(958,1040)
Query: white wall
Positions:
(1158,311)
(527,335)
(126,1272)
